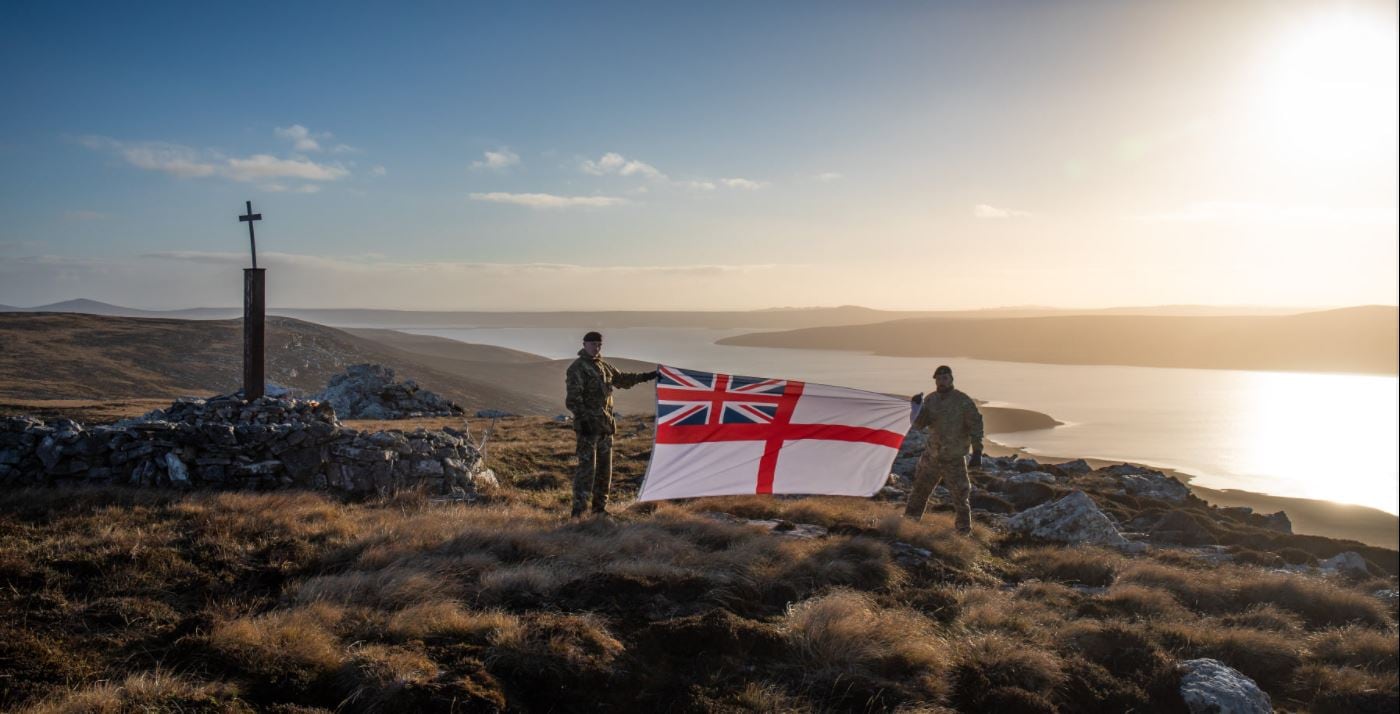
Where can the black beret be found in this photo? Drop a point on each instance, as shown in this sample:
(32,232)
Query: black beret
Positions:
(943,369)
(593,337)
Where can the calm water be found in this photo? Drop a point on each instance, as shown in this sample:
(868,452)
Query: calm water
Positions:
(1325,436)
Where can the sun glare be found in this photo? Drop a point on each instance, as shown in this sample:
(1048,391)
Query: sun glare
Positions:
(1328,87)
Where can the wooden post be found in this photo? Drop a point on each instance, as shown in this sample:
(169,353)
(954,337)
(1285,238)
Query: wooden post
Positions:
(254,319)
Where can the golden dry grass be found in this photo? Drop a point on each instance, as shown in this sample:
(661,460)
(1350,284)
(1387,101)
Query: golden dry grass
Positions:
(303,600)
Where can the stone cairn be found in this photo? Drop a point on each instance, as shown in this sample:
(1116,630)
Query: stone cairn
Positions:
(368,391)
(225,442)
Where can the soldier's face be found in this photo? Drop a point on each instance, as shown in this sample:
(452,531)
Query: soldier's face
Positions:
(593,348)
(944,382)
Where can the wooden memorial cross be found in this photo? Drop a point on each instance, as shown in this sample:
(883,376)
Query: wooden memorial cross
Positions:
(254,315)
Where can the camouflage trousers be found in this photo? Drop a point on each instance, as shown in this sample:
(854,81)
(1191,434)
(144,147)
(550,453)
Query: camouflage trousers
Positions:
(594,475)
(952,473)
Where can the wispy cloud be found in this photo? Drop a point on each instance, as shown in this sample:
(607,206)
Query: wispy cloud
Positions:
(281,188)
(266,166)
(497,160)
(828,176)
(378,171)
(983,210)
(1243,213)
(743,183)
(547,200)
(617,164)
(173,159)
(188,162)
(303,139)
(700,185)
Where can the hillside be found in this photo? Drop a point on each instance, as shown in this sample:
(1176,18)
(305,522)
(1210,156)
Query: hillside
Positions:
(1361,340)
(59,356)
(776,318)
(123,599)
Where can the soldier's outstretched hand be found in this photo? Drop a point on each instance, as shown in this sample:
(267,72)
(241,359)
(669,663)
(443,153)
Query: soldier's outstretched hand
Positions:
(917,398)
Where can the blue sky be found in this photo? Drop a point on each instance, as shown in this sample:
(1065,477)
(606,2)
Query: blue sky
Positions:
(907,155)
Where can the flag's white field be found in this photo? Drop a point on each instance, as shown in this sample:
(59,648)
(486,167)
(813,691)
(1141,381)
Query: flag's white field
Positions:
(722,435)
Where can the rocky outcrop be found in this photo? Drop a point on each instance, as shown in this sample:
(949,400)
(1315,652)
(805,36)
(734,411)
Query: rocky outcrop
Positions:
(1072,519)
(1211,687)
(1152,484)
(368,391)
(226,442)
(1347,563)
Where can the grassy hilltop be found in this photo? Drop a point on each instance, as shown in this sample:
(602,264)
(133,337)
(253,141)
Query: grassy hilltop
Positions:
(127,600)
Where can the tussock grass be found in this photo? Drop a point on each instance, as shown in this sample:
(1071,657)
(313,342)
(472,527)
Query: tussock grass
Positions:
(1356,647)
(304,602)
(1269,658)
(1343,690)
(157,690)
(1080,565)
(999,612)
(450,621)
(846,634)
(293,648)
(1140,602)
(997,673)
(1265,616)
(1319,603)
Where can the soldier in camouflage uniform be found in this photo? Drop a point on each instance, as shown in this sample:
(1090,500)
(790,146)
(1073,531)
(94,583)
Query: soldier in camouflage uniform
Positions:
(590,382)
(954,424)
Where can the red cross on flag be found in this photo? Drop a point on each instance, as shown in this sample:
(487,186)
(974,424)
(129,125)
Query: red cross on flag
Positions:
(725,435)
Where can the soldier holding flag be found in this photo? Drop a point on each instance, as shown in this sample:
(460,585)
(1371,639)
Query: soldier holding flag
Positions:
(589,383)
(954,425)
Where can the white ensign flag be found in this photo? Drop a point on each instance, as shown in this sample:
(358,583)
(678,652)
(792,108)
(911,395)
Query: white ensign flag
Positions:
(725,435)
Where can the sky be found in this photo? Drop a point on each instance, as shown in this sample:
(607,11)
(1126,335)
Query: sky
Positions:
(720,155)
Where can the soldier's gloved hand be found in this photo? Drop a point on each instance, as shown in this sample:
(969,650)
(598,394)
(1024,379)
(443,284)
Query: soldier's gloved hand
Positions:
(917,398)
(654,374)
(976,460)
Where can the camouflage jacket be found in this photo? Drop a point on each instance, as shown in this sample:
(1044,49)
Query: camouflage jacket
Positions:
(589,385)
(953,422)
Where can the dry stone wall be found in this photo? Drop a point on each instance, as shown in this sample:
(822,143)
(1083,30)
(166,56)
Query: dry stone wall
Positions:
(226,442)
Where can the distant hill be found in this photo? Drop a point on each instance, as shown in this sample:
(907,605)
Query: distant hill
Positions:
(774,318)
(1359,339)
(70,356)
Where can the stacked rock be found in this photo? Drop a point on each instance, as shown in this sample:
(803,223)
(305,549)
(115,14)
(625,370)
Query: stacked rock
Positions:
(368,391)
(227,442)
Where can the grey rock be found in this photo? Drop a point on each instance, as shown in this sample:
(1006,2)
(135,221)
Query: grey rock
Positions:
(1279,522)
(1348,563)
(176,470)
(485,480)
(1210,687)
(1155,485)
(1031,477)
(1072,519)
(1077,466)
(495,414)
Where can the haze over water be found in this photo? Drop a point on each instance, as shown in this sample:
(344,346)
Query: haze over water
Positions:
(1307,435)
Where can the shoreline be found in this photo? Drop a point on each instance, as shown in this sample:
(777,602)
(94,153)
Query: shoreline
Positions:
(1309,516)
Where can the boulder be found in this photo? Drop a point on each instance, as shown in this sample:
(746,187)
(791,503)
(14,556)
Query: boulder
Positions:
(1279,522)
(1155,485)
(1210,687)
(1031,477)
(1348,563)
(368,391)
(1077,466)
(1072,519)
